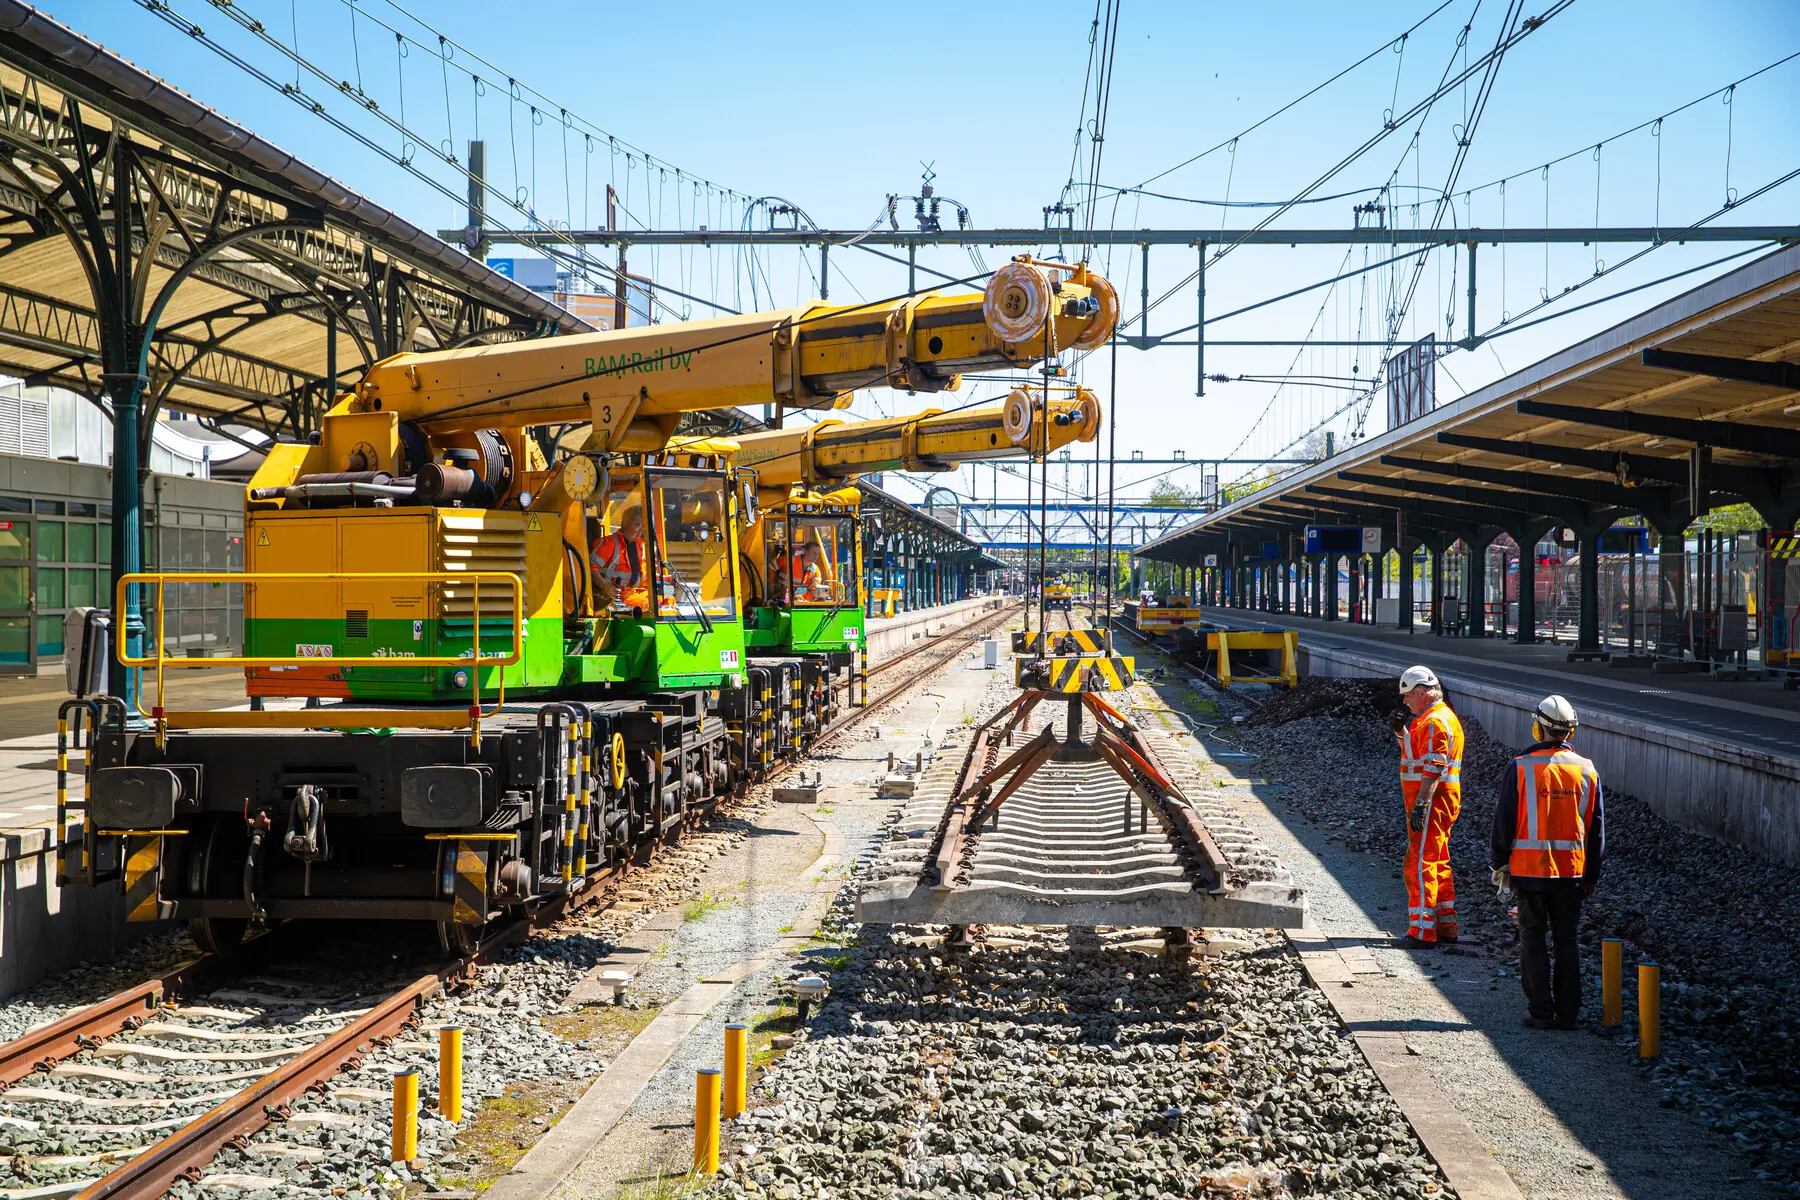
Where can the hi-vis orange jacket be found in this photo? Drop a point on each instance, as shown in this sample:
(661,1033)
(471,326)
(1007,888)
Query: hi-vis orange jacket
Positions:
(1548,829)
(1433,747)
(620,561)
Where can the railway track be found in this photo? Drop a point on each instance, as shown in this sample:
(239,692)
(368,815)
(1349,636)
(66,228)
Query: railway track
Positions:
(179,1067)
(1030,826)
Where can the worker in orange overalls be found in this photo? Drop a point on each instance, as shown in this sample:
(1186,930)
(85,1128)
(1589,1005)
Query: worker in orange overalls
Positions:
(1547,842)
(618,563)
(803,572)
(1431,750)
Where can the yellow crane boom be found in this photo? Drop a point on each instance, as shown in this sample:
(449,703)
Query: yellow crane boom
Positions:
(634,384)
(929,441)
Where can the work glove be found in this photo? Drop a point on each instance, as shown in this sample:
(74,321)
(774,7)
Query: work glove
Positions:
(1415,820)
(1502,879)
(1399,723)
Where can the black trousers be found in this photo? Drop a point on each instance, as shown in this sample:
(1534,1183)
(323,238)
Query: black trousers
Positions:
(1551,995)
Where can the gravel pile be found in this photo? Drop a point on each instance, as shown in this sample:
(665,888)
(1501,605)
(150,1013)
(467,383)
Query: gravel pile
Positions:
(1037,1067)
(1320,696)
(1724,924)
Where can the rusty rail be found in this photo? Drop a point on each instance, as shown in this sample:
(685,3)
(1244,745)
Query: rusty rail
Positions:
(42,1048)
(189,1149)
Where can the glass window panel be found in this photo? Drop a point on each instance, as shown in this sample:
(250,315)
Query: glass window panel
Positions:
(215,630)
(691,547)
(15,640)
(81,588)
(215,549)
(15,585)
(14,504)
(193,550)
(49,588)
(234,553)
(79,508)
(103,544)
(82,543)
(15,541)
(50,541)
(53,507)
(49,636)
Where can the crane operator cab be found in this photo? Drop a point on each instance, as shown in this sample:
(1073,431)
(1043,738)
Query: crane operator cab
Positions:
(657,601)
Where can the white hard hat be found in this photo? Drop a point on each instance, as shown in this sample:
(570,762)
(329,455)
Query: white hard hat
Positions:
(1417,677)
(1555,715)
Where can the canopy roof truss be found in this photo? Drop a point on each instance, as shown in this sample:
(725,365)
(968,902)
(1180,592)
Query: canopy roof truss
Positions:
(140,229)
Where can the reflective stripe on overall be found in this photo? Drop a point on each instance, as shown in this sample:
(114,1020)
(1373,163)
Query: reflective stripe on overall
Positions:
(1432,747)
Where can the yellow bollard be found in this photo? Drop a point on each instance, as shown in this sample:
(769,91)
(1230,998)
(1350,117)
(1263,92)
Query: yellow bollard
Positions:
(406,1116)
(706,1121)
(450,1073)
(1612,982)
(1649,1010)
(737,1069)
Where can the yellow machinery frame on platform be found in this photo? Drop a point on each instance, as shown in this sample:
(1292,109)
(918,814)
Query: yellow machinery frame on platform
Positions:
(321,718)
(1223,641)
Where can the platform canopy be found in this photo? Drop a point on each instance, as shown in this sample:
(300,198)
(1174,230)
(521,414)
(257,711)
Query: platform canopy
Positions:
(1690,405)
(902,528)
(269,273)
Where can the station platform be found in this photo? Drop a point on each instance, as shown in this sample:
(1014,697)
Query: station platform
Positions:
(894,635)
(1718,757)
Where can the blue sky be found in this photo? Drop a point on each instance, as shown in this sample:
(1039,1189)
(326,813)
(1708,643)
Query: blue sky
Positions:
(833,106)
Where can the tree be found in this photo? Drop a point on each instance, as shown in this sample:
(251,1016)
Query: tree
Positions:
(1231,493)
(1168,494)
(1733,518)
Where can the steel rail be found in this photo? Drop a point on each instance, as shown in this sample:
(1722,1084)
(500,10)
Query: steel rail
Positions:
(189,1149)
(42,1048)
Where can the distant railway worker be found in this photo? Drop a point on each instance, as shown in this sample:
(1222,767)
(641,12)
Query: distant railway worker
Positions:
(618,563)
(1547,843)
(1431,750)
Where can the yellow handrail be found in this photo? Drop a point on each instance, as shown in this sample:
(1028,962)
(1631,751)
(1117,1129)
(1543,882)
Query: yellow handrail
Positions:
(160,660)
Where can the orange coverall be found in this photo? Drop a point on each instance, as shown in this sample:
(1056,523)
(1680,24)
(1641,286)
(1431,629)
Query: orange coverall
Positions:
(1431,748)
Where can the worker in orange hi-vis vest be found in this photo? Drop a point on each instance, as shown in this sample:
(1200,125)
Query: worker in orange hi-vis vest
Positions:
(1547,842)
(1431,750)
(617,559)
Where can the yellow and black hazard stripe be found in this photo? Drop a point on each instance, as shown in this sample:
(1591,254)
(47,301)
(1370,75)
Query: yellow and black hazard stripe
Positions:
(1062,641)
(143,875)
(143,870)
(469,898)
(1784,543)
(1084,673)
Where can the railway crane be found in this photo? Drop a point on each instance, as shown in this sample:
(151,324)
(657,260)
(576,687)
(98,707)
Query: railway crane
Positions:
(487,726)
(802,556)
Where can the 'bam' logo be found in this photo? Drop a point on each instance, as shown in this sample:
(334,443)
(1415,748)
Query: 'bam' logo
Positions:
(668,359)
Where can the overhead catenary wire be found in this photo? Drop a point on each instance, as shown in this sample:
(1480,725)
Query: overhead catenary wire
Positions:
(570,252)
